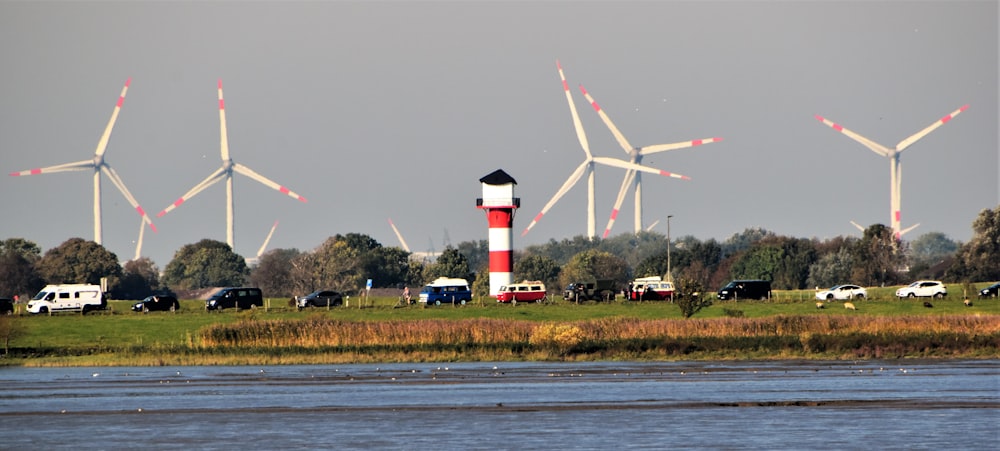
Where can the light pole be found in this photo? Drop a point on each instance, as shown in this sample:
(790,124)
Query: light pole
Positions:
(670,277)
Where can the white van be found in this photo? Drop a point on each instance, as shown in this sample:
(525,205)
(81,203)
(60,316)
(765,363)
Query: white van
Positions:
(68,298)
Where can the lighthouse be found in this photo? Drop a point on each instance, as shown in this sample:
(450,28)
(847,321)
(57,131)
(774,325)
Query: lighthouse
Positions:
(499,203)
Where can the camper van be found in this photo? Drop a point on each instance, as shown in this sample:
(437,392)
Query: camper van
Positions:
(244,298)
(651,289)
(746,289)
(445,290)
(527,291)
(68,298)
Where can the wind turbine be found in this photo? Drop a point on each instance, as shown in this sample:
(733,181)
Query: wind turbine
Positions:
(226,173)
(895,168)
(256,258)
(267,240)
(632,177)
(399,235)
(587,167)
(98,165)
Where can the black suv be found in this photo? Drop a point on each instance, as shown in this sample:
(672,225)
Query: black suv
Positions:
(157,304)
(6,306)
(321,298)
(990,292)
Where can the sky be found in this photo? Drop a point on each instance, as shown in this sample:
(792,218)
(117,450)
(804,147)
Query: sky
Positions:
(378,110)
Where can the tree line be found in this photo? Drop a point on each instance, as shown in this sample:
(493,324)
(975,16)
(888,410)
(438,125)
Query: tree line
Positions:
(345,262)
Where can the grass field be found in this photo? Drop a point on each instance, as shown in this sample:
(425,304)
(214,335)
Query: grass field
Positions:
(107,337)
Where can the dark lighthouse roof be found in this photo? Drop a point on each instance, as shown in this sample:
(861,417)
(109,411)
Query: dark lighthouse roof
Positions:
(498,177)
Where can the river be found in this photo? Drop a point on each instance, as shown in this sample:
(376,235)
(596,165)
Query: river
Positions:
(927,404)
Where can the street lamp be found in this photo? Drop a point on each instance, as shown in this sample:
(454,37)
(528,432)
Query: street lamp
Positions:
(670,277)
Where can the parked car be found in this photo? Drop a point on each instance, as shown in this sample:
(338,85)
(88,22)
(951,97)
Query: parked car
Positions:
(157,304)
(242,298)
(991,291)
(6,306)
(923,289)
(321,298)
(745,289)
(842,293)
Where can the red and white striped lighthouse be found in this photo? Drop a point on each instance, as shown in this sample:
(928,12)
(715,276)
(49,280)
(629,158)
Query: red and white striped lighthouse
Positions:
(499,202)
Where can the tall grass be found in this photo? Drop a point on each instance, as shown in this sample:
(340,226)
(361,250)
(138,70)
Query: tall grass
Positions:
(782,335)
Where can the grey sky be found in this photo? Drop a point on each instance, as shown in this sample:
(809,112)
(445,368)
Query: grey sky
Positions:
(381,109)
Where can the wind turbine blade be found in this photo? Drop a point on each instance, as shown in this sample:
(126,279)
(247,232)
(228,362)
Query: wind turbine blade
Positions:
(264,180)
(637,167)
(681,145)
(573,178)
(223,135)
(607,121)
(858,226)
(102,144)
(622,192)
(904,231)
(577,125)
(267,240)
(211,179)
(652,225)
(117,181)
(399,235)
(874,146)
(916,136)
(75,166)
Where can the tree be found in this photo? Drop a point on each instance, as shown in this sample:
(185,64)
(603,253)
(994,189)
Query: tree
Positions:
(758,262)
(654,265)
(450,263)
(18,271)
(831,269)
(27,249)
(79,261)
(691,297)
(481,286)
(139,278)
(338,265)
(743,240)
(930,248)
(979,259)
(537,267)
(595,265)
(877,256)
(274,271)
(207,263)
(477,253)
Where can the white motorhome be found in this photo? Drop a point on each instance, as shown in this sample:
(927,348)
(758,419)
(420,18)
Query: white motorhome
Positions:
(68,298)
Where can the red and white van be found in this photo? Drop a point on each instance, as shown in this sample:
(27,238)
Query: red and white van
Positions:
(527,291)
(651,289)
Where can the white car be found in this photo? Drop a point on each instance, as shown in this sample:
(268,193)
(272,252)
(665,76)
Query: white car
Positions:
(923,289)
(842,293)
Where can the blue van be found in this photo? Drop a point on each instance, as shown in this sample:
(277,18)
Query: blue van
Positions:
(445,290)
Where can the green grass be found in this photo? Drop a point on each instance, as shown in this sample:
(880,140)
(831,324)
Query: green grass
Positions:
(118,329)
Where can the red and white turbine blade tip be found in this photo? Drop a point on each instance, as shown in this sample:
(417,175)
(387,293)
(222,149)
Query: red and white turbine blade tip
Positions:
(832,124)
(35,171)
(533,222)
(607,230)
